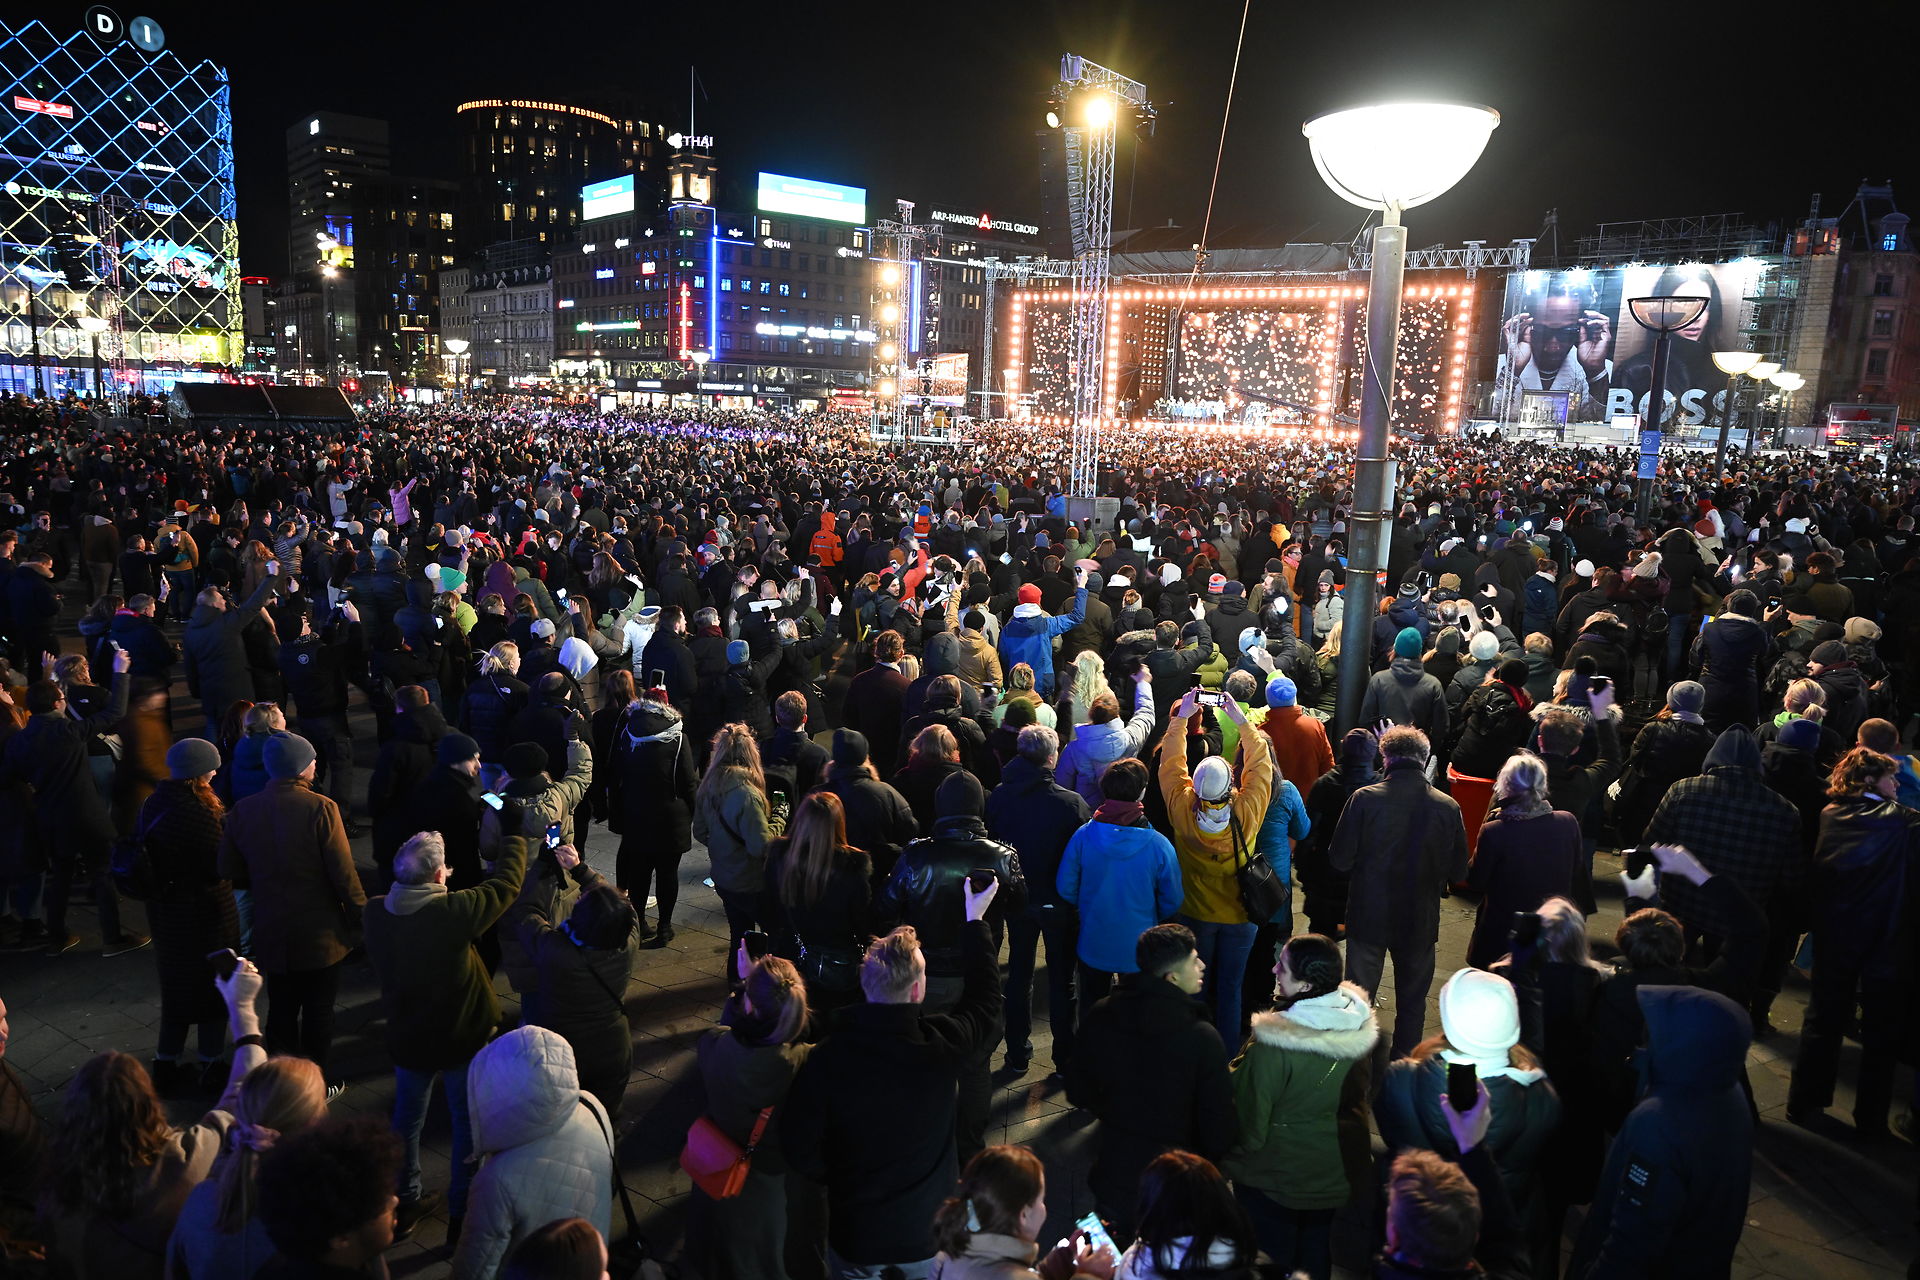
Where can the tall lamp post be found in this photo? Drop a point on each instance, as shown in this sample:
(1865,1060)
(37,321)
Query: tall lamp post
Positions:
(1664,317)
(95,326)
(1733,364)
(457,347)
(1788,382)
(1761,371)
(1390,158)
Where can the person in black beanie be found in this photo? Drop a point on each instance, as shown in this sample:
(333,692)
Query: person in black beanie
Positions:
(879,820)
(926,891)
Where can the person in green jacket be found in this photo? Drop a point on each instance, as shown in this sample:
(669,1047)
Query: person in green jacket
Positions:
(440,1005)
(1299,1090)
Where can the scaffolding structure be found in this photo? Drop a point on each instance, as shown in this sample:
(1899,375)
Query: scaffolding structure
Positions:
(1472,257)
(1090,155)
(1713,237)
(898,245)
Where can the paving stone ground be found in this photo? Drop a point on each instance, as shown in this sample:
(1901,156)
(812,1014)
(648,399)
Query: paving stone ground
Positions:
(1824,1205)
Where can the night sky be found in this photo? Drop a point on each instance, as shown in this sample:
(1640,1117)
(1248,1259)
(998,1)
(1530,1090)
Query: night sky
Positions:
(1610,111)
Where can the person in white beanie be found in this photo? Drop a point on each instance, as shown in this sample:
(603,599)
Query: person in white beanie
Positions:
(1480,1026)
(1484,653)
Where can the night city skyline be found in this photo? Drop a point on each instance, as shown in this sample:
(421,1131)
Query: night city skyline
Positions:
(793,89)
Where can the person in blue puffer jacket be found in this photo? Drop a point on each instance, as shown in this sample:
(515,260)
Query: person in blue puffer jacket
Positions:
(1286,822)
(1028,635)
(1122,875)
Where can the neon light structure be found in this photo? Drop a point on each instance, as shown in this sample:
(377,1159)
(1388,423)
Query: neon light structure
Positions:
(140,171)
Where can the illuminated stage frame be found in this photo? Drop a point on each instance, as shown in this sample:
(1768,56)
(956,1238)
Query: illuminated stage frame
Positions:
(1456,293)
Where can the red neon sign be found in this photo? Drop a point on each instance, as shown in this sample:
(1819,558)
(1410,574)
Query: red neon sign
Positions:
(686,318)
(59,110)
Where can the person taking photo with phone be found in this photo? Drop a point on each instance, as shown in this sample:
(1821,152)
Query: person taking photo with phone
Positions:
(989,1228)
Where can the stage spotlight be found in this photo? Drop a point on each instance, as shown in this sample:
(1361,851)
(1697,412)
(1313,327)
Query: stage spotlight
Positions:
(1099,110)
(890,275)
(1053,118)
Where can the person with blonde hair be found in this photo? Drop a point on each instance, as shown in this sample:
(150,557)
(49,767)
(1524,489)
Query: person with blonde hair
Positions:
(821,899)
(933,757)
(219,1232)
(1023,684)
(748,1064)
(493,700)
(1527,853)
(730,817)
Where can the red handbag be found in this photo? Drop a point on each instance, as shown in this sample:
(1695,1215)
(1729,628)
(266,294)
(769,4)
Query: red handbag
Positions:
(715,1162)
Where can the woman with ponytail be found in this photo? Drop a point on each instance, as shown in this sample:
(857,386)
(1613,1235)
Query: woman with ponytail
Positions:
(1299,1089)
(218,1235)
(989,1228)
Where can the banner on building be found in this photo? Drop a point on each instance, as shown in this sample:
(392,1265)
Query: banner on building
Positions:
(1571,332)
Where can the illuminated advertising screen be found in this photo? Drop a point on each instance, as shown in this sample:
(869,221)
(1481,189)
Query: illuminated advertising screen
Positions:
(947,376)
(809,199)
(1570,331)
(604,199)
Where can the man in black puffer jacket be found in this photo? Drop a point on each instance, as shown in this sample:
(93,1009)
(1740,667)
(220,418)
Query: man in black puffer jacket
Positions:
(1149,1063)
(406,760)
(925,891)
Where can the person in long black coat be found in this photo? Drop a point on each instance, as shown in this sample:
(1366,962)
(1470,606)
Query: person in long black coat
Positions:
(448,801)
(650,807)
(1671,746)
(405,760)
(1730,659)
(192,911)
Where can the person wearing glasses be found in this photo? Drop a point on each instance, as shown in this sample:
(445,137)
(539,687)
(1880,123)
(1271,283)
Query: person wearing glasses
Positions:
(1558,343)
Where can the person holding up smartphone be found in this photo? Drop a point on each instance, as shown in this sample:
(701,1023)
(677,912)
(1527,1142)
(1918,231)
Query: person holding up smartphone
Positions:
(1480,1026)
(989,1228)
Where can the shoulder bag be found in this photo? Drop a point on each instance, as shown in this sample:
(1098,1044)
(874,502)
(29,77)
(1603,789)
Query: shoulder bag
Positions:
(717,1164)
(1262,892)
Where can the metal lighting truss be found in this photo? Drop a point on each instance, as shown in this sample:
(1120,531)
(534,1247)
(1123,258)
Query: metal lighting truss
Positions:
(900,245)
(1517,256)
(1090,151)
(134,149)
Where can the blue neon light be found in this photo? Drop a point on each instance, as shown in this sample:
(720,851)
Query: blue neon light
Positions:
(912,343)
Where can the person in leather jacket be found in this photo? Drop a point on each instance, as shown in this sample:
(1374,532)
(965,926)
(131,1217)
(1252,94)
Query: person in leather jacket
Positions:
(1862,902)
(926,890)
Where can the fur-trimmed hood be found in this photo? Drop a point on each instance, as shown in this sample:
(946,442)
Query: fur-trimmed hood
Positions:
(1338,1025)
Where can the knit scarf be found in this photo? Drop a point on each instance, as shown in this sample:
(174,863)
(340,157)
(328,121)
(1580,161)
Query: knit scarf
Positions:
(1122,813)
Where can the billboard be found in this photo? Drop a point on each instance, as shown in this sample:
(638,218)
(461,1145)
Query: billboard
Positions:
(604,199)
(1571,332)
(809,199)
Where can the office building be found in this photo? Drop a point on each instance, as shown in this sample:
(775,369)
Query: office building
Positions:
(330,159)
(526,160)
(117,203)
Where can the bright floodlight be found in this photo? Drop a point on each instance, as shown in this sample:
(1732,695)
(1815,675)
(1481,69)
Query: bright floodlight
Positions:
(456,346)
(1398,154)
(888,351)
(1053,119)
(1735,363)
(889,313)
(1099,111)
(1788,381)
(889,275)
(93,324)
(1764,370)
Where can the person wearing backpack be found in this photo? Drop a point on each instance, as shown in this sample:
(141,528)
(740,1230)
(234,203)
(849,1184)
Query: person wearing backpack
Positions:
(1495,721)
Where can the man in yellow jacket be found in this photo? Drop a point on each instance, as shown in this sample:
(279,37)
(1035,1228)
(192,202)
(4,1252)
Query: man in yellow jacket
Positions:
(1215,825)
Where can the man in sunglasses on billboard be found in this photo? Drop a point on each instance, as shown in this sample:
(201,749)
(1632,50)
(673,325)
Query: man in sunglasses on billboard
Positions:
(1557,343)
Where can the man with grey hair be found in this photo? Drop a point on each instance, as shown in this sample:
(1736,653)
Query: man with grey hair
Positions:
(1403,843)
(1037,816)
(871,1112)
(439,999)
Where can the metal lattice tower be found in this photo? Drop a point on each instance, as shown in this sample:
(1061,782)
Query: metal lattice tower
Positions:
(1090,152)
(899,248)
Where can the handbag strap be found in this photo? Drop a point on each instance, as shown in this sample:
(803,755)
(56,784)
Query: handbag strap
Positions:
(626,1201)
(1241,859)
(759,1129)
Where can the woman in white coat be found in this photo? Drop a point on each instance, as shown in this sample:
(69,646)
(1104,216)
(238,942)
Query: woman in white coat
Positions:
(547,1147)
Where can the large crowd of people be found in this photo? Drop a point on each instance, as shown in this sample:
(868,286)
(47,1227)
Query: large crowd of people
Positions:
(952,752)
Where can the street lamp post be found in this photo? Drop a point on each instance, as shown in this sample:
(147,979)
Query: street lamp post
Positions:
(1390,158)
(1663,316)
(1788,382)
(1760,371)
(457,347)
(1733,364)
(95,326)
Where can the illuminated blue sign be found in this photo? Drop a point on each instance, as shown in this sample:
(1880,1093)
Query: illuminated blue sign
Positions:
(603,199)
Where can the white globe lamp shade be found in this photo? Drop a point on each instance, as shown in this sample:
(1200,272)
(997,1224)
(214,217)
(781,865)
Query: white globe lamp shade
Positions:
(1788,381)
(1398,154)
(1735,363)
(456,346)
(1764,370)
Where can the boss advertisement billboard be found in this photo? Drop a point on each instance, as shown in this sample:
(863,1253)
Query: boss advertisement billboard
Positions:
(1567,337)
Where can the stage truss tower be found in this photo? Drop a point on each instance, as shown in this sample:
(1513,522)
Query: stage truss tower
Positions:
(1098,102)
(899,247)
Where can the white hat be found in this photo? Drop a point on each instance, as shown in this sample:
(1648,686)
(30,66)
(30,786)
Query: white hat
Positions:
(1584,568)
(1449,545)
(1480,1015)
(1212,779)
(542,627)
(1484,646)
(1796,525)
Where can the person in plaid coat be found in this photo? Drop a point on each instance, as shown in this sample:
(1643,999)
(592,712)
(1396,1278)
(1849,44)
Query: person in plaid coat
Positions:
(1738,827)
